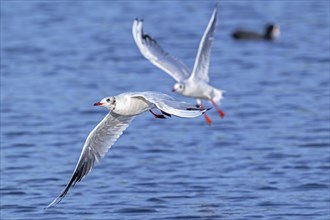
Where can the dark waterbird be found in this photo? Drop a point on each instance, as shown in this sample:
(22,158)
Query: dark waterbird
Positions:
(272,31)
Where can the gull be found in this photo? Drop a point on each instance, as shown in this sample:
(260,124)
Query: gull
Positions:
(192,84)
(123,108)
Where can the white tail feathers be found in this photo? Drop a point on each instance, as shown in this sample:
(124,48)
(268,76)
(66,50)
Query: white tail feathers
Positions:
(217,95)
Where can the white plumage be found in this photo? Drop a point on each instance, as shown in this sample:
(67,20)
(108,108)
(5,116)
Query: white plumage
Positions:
(189,83)
(123,108)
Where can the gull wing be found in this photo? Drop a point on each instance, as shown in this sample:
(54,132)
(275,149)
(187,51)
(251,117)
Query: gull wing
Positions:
(170,105)
(97,144)
(151,50)
(202,61)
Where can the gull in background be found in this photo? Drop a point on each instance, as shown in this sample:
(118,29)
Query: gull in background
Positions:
(123,108)
(192,84)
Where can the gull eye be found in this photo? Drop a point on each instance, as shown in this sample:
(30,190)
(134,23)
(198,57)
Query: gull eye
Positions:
(108,100)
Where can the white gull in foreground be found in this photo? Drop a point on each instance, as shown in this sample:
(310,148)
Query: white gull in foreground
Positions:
(123,108)
(192,84)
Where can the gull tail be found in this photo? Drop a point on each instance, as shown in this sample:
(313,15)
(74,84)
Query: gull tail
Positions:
(217,95)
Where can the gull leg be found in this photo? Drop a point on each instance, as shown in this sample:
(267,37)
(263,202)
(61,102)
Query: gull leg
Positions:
(157,116)
(207,119)
(221,114)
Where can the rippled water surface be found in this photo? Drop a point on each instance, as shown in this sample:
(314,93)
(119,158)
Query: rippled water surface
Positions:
(267,159)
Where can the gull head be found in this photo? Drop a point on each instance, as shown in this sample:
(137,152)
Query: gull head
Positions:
(272,31)
(107,102)
(178,87)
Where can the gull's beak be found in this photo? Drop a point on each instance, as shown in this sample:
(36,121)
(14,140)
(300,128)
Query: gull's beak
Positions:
(98,104)
(173,90)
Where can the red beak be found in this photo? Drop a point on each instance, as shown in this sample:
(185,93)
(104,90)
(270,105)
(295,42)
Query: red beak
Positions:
(97,104)
(173,90)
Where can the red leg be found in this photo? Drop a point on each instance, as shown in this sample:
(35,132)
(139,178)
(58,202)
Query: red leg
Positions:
(221,114)
(207,119)
(157,116)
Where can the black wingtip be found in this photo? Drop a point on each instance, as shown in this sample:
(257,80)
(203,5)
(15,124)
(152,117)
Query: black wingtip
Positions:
(145,36)
(54,202)
(138,20)
(216,5)
(194,109)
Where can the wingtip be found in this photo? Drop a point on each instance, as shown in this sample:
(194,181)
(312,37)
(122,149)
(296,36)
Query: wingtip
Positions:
(54,202)
(216,5)
(138,20)
(215,10)
(205,110)
(60,197)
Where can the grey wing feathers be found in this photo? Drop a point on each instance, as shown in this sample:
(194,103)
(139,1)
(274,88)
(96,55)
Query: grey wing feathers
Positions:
(97,144)
(151,50)
(171,106)
(202,61)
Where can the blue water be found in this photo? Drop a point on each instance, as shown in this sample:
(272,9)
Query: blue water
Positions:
(267,159)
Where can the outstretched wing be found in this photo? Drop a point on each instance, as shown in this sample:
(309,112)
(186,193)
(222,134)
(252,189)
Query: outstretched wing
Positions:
(202,61)
(98,142)
(150,49)
(170,105)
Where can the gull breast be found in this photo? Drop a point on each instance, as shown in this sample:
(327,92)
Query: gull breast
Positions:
(132,106)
